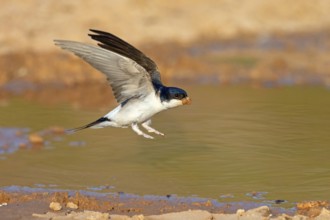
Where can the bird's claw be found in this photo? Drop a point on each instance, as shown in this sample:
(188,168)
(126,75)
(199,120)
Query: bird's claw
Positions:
(146,125)
(139,132)
(152,130)
(147,136)
(157,132)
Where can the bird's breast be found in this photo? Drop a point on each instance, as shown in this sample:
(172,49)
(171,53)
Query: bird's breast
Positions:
(136,111)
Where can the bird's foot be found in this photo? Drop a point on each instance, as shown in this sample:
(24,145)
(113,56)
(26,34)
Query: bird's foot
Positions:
(146,125)
(139,132)
(152,130)
(147,136)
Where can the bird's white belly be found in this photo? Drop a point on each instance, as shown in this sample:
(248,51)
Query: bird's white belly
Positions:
(135,112)
(137,115)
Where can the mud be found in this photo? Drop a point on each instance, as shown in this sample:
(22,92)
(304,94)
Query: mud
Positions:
(23,205)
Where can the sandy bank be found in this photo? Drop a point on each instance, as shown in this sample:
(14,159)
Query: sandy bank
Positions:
(59,205)
(32,25)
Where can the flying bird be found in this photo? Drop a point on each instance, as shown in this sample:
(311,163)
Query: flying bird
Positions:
(135,82)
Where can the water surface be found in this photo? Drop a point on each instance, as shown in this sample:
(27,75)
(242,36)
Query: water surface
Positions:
(232,144)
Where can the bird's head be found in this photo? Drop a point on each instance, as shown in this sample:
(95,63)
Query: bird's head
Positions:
(172,97)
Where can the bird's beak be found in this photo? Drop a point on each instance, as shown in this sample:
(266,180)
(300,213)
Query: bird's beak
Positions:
(186,101)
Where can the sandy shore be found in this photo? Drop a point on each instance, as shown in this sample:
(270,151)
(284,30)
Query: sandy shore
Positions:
(32,25)
(74,205)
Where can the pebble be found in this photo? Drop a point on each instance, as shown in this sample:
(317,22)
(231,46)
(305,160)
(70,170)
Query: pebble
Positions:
(55,206)
(36,139)
(3,204)
(325,214)
(85,215)
(240,212)
(71,205)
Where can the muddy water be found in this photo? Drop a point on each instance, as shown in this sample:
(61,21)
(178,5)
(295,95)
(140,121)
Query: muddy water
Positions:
(232,144)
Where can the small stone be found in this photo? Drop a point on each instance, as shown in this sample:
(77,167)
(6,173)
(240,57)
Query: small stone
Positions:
(208,203)
(71,205)
(325,214)
(284,217)
(262,211)
(89,215)
(36,139)
(55,206)
(279,201)
(240,212)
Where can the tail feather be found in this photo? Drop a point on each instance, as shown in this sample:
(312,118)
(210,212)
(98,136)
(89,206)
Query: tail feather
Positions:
(98,121)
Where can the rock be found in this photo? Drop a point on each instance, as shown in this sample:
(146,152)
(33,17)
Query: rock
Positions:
(85,215)
(55,206)
(262,211)
(225,216)
(90,215)
(240,212)
(208,203)
(191,215)
(121,217)
(71,205)
(325,214)
(36,139)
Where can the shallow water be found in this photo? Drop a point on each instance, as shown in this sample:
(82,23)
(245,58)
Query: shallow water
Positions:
(231,144)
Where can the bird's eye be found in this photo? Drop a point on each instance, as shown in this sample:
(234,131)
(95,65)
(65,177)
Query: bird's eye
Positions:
(177,95)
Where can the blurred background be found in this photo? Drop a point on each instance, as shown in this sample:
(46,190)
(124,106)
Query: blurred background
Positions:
(221,42)
(258,73)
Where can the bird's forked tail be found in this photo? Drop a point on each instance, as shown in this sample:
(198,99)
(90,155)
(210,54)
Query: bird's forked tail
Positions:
(90,125)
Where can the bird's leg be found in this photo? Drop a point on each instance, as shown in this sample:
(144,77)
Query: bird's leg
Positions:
(137,130)
(147,124)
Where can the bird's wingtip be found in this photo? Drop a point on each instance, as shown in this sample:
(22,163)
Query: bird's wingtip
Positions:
(95,31)
(59,42)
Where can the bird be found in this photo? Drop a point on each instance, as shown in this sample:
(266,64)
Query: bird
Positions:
(135,81)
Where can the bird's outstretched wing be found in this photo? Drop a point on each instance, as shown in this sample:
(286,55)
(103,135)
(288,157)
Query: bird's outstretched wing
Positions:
(130,73)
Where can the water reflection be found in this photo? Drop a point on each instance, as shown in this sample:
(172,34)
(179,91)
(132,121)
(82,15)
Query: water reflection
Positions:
(235,141)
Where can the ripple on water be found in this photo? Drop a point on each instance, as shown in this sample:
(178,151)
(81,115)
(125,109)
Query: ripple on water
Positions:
(12,139)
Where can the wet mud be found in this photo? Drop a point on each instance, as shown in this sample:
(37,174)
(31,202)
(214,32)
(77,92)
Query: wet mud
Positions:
(30,205)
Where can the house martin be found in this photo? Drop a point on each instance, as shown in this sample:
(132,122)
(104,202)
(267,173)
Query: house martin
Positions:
(135,82)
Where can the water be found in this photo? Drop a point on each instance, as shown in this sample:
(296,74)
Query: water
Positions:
(231,144)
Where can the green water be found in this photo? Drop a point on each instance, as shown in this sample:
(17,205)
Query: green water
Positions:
(230,142)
